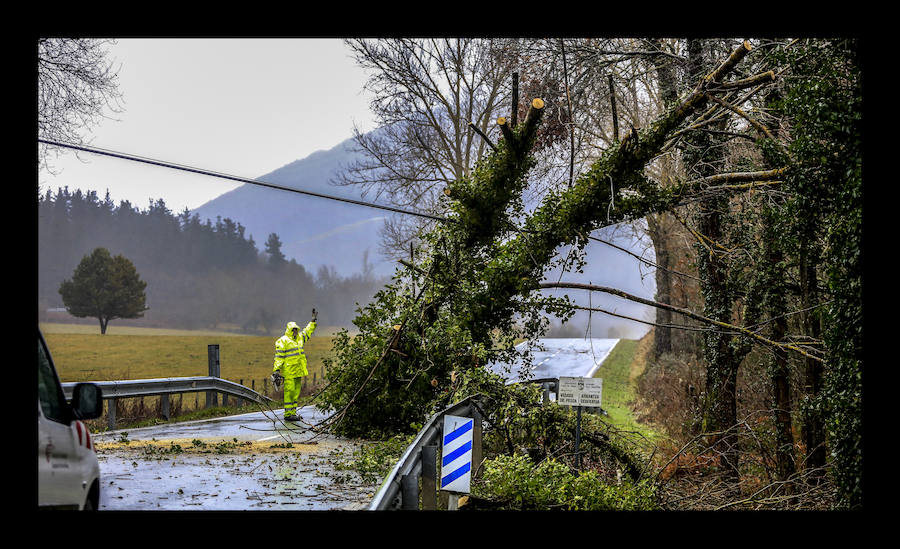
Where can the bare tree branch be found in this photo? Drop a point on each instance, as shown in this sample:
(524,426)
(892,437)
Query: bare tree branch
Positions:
(679,310)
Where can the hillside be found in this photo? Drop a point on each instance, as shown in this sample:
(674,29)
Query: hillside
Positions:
(314,231)
(318,232)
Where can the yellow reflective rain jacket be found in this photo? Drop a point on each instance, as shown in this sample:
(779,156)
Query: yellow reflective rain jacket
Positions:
(289,356)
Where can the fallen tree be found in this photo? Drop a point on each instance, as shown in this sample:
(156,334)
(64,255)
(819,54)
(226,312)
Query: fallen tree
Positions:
(482,269)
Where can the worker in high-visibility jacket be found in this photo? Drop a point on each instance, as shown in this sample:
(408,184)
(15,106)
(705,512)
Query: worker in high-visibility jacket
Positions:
(290,363)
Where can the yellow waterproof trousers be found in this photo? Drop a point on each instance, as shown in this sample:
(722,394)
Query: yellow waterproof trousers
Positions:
(291,394)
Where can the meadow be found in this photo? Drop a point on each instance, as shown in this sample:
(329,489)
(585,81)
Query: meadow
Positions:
(80,353)
(620,371)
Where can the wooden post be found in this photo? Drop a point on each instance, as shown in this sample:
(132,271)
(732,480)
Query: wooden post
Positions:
(578,440)
(164,406)
(214,371)
(515,99)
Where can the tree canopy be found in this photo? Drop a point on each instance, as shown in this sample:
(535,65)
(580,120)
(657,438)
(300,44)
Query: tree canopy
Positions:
(106,288)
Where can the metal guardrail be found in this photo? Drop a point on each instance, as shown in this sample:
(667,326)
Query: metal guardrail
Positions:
(164,387)
(211,384)
(400,489)
(169,385)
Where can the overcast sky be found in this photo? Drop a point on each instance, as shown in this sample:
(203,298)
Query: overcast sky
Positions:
(243,107)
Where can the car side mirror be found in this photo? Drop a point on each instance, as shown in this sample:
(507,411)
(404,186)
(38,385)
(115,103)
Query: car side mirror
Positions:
(87,401)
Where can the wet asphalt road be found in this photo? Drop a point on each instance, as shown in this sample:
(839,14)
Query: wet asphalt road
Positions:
(563,357)
(244,462)
(235,463)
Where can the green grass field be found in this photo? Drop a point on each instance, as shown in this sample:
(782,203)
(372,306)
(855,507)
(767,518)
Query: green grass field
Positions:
(619,372)
(82,354)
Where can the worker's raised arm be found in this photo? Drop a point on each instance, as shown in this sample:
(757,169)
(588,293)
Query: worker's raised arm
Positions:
(311,327)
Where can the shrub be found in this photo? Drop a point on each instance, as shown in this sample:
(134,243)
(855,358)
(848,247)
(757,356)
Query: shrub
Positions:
(518,483)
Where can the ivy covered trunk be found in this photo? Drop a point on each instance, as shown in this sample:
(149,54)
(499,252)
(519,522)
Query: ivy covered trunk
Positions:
(823,99)
(812,418)
(720,398)
(775,276)
(719,401)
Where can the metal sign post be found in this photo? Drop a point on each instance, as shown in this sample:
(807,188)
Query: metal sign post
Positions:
(579,392)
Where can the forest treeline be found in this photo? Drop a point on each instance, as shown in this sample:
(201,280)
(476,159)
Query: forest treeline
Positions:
(200,274)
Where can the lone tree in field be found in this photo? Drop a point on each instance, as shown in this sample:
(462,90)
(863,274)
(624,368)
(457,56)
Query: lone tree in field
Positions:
(106,288)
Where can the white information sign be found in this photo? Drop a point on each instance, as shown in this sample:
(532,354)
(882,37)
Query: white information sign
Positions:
(579,391)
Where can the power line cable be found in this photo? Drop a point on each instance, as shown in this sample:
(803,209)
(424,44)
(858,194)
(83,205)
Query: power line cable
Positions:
(154,162)
(172,165)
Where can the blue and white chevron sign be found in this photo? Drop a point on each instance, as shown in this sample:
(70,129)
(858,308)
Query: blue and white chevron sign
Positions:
(456,464)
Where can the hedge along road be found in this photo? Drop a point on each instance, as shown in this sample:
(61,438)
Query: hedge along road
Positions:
(250,461)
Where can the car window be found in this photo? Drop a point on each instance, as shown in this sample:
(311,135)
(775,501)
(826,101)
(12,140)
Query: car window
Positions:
(50,393)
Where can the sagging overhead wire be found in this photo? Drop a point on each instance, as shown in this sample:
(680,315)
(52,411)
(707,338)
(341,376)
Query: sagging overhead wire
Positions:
(154,162)
(191,169)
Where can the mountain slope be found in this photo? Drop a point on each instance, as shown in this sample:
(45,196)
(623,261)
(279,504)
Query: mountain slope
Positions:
(315,231)
(319,232)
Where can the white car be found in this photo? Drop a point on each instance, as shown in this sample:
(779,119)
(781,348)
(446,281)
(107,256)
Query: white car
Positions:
(68,471)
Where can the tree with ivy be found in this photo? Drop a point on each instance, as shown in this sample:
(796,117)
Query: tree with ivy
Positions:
(106,288)
(425,344)
(475,293)
(823,100)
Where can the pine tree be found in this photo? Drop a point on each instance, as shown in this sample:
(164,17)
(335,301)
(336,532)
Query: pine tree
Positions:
(273,248)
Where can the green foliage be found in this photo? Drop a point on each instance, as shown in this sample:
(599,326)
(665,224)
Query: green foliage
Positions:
(374,461)
(413,352)
(273,248)
(104,287)
(824,102)
(517,483)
